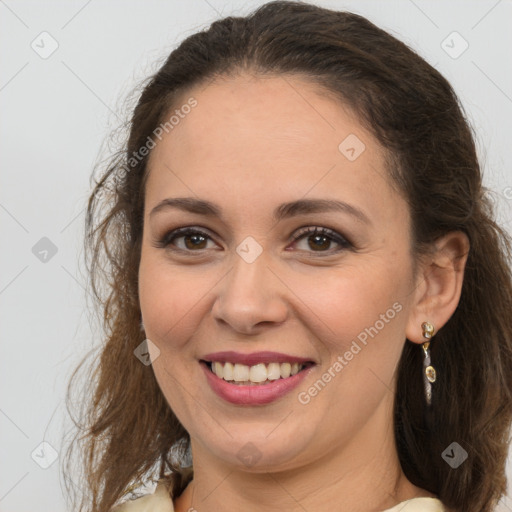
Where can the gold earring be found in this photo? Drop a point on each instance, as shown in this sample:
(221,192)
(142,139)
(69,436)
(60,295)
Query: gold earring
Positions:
(429,372)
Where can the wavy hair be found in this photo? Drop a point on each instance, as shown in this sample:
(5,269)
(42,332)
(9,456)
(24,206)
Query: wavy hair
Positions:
(127,429)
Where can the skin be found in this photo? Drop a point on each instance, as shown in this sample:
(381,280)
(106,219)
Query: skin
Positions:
(251,144)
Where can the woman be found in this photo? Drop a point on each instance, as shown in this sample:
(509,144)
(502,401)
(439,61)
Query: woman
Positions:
(306,291)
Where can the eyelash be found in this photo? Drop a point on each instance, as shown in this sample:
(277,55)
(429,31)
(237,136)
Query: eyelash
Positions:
(170,237)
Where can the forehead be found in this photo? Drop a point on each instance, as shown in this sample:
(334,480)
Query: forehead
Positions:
(268,116)
(268,136)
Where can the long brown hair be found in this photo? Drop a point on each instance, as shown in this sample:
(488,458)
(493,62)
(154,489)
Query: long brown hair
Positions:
(127,429)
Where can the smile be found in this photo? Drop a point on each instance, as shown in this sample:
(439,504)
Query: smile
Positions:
(254,379)
(256,375)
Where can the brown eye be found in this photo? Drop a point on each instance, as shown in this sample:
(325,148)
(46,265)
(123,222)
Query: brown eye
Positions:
(192,240)
(320,239)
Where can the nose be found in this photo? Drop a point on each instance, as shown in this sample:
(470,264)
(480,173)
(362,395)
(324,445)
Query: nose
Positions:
(250,297)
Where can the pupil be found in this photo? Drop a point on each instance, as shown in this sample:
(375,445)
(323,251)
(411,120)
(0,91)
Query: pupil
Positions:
(197,239)
(320,237)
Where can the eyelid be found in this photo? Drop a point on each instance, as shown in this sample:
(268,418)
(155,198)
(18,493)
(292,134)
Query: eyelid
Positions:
(336,237)
(164,241)
(343,243)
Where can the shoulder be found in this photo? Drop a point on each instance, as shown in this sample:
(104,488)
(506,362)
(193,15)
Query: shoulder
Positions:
(159,501)
(419,505)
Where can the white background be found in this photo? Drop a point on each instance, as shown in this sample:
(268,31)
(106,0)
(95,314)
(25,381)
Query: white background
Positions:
(55,114)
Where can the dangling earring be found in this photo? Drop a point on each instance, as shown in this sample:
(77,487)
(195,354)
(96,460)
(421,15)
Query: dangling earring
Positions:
(429,372)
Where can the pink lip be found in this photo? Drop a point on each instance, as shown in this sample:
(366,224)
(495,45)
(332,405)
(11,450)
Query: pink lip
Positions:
(253,395)
(254,358)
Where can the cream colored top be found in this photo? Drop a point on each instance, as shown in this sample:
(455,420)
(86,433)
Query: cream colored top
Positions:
(160,501)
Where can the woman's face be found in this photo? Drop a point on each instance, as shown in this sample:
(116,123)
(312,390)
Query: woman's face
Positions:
(262,151)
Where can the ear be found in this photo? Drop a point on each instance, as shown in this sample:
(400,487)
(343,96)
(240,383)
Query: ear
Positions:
(438,284)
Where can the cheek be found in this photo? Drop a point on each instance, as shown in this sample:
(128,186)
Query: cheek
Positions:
(353,301)
(171,300)
(360,317)
(358,320)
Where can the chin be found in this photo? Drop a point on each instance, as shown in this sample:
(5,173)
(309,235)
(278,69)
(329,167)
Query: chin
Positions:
(259,454)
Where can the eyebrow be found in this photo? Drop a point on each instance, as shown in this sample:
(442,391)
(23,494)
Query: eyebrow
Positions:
(283,211)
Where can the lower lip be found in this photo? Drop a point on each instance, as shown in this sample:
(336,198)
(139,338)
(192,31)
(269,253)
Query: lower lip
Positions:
(253,395)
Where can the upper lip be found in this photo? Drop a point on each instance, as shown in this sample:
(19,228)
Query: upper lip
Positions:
(254,358)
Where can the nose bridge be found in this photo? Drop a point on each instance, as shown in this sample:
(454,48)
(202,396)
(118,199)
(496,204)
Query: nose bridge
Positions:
(250,293)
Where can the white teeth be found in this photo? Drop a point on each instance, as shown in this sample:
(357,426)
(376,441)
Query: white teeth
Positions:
(229,371)
(286,370)
(240,374)
(258,373)
(255,374)
(217,369)
(273,371)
